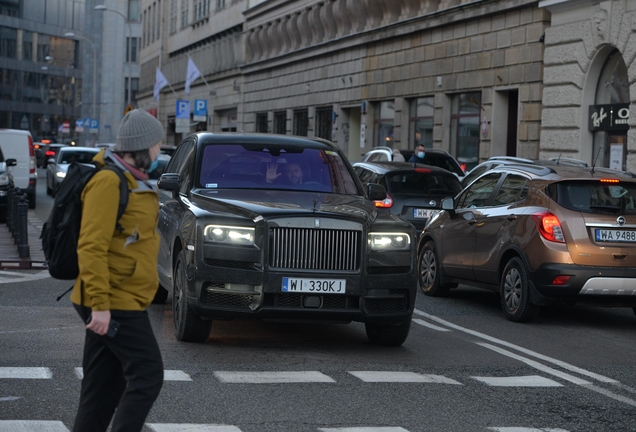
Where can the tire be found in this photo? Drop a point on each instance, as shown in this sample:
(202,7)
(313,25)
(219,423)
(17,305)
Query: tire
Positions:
(188,327)
(388,334)
(430,272)
(3,216)
(161,296)
(514,292)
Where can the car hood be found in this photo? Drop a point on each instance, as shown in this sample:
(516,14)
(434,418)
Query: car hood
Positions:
(271,203)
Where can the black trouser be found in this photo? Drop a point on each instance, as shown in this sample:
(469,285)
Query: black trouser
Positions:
(124,372)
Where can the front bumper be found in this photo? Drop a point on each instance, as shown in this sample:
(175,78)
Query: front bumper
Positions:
(588,285)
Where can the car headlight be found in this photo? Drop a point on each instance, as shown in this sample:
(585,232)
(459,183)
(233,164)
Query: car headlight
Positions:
(389,241)
(60,174)
(229,234)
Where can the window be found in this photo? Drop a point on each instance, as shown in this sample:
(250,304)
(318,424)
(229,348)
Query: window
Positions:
(134,8)
(261,122)
(8,42)
(220,4)
(27,45)
(158,21)
(153,22)
(513,189)
(280,122)
(324,123)
(135,89)
(173,16)
(478,193)
(201,9)
(384,121)
(301,122)
(421,122)
(132,49)
(184,13)
(465,129)
(44,45)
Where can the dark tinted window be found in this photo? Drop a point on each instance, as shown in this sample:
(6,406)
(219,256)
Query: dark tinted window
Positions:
(79,156)
(240,166)
(442,161)
(478,193)
(364,175)
(513,189)
(422,183)
(595,196)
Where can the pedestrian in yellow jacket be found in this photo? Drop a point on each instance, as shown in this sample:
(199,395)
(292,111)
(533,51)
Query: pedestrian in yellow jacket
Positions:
(117,281)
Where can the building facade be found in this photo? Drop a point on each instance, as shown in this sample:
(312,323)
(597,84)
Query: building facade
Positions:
(589,65)
(464,76)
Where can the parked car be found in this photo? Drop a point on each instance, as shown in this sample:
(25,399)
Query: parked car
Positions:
(414,193)
(436,157)
(537,235)
(49,151)
(6,183)
(18,144)
(57,167)
(246,234)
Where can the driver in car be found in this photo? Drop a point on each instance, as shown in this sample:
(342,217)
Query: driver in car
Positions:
(293,173)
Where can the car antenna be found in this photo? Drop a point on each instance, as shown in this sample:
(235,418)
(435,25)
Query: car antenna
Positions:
(595,159)
(558,159)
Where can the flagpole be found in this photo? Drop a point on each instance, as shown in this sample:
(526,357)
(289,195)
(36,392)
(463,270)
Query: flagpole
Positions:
(202,77)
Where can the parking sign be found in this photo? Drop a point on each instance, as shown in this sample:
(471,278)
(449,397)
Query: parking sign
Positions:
(183,109)
(200,110)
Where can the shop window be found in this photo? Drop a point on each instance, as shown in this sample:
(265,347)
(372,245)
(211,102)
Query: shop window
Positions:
(301,122)
(465,129)
(280,122)
(384,123)
(261,122)
(324,123)
(421,122)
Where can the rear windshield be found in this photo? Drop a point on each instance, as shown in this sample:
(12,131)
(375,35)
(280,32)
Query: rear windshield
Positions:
(595,196)
(274,166)
(78,156)
(442,161)
(422,183)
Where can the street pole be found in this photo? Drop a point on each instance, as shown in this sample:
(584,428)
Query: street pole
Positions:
(94,104)
(128,47)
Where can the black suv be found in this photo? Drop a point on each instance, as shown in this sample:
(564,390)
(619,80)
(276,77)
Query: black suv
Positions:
(275,226)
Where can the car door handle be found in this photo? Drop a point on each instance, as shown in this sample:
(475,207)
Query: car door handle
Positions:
(511,217)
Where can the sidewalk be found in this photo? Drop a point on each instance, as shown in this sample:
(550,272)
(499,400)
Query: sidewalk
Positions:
(9,256)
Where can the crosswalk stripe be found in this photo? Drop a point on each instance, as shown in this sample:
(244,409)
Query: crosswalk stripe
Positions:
(519,381)
(32,426)
(429,325)
(168,375)
(273,377)
(364,429)
(401,377)
(185,427)
(26,372)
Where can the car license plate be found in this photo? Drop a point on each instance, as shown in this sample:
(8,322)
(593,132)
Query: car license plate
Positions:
(603,235)
(316,286)
(422,213)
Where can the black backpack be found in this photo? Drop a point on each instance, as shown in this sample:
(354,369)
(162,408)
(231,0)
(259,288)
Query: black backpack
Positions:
(60,233)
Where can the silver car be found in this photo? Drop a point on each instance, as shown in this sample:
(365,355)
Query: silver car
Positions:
(57,167)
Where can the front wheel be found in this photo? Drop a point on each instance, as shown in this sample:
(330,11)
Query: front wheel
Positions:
(388,334)
(515,292)
(430,272)
(188,326)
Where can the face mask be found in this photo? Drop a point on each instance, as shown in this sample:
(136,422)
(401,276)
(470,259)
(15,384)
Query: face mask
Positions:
(153,165)
(420,155)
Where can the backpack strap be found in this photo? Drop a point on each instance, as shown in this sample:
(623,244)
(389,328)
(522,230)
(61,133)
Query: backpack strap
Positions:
(123,193)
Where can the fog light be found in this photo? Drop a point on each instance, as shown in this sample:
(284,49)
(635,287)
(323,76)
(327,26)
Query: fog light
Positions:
(561,280)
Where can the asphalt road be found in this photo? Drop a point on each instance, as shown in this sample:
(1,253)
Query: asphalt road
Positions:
(464,367)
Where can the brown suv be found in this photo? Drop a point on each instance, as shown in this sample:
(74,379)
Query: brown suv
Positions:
(537,234)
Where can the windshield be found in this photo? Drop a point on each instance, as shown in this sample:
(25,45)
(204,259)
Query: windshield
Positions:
(595,196)
(271,166)
(67,157)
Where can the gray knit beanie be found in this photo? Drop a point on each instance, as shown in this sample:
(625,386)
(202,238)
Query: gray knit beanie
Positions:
(138,131)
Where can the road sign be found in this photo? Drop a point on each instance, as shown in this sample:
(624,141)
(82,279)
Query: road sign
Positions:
(94,126)
(66,127)
(182,125)
(183,109)
(128,109)
(200,110)
(79,125)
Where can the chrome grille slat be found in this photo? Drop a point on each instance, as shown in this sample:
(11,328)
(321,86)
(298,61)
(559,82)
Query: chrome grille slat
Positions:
(314,249)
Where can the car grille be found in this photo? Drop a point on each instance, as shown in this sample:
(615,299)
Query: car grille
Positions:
(296,301)
(314,249)
(234,301)
(398,302)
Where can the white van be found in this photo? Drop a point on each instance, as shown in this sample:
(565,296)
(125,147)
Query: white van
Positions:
(18,144)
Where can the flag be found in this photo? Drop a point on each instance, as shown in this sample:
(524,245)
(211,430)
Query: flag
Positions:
(160,82)
(191,75)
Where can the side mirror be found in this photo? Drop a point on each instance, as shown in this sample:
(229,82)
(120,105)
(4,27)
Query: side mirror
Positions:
(448,203)
(170,182)
(375,192)
(11,162)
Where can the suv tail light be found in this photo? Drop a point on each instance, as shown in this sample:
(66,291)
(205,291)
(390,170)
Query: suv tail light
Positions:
(549,226)
(385,203)
(31,156)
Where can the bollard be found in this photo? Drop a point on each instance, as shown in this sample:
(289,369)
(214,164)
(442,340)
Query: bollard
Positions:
(9,208)
(23,228)
(14,214)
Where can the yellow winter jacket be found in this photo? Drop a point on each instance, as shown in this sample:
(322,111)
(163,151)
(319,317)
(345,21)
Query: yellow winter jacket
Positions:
(118,269)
